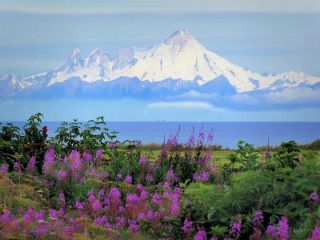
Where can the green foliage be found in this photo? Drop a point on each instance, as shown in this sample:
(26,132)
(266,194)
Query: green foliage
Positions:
(124,162)
(34,141)
(10,139)
(88,136)
(244,158)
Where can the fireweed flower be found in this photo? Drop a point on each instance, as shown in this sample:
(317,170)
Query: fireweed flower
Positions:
(62,175)
(115,195)
(314,197)
(91,197)
(112,145)
(96,206)
(16,167)
(78,205)
(129,179)
(102,193)
(210,137)
(5,217)
(172,141)
(235,230)
(62,199)
(31,164)
(87,157)
(187,226)
(200,137)
(133,226)
(201,235)
(282,231)
(3,168)
(283,228)
(119,176)
(202,176)
(27,219)
(170,176)
(258,218)
(191,141)
(75,160)
(99,154)
(315,234)
(48,165)
(120,222)
(143,160)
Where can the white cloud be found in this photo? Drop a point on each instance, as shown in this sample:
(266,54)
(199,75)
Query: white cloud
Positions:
(299,95)
(181,105)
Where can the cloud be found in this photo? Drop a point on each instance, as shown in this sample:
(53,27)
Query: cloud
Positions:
(182,105)
(297,95)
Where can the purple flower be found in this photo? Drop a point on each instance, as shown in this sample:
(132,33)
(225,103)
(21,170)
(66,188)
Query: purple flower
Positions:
(31,164)
(102,193)
(62,175)
(191,140)
(202,176)
(144,194)
(115,195)
(5,217)
(149,178)
(200,137)
(91,197)
(120,222)
(201,235)
(314,197)
(62,199)
(96,206)
(170,176)
(235,230)
(75,160)
(258,218)
(133,226)
(39,215)
(272,230)
(87,157)
(210,137)
(172,141)
(16,167)
(78,205)
(3,168)
(132,198)
(156,199)
(99,154)
(27,218)
(48,165)
(112,145)
(143,160)
(187,226)
(315,234)
(129,179)
(119,176)
(284,228)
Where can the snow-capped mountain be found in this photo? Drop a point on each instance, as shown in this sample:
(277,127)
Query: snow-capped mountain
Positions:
(178,64)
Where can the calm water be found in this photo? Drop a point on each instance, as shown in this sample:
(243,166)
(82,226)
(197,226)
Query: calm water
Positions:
(225,133)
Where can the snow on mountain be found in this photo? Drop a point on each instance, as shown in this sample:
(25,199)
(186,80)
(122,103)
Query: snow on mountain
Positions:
(180,57)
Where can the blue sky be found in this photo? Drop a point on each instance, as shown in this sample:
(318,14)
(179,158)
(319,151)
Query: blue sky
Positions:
(163,6)
(264,36)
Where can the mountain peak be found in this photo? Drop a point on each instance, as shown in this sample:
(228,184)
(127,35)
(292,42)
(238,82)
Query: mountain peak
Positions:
(75,53)
(180,37)
(97,57)
(74,61)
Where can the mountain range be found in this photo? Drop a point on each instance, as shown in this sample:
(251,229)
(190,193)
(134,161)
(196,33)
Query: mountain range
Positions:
(178,68)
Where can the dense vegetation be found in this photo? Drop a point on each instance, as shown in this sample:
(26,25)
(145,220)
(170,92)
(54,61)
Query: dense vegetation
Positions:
(82,183)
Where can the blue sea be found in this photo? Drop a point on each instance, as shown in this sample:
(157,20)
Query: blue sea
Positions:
(225,133)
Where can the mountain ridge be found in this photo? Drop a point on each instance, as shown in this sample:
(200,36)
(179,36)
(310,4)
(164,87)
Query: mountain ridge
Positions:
(180,57)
